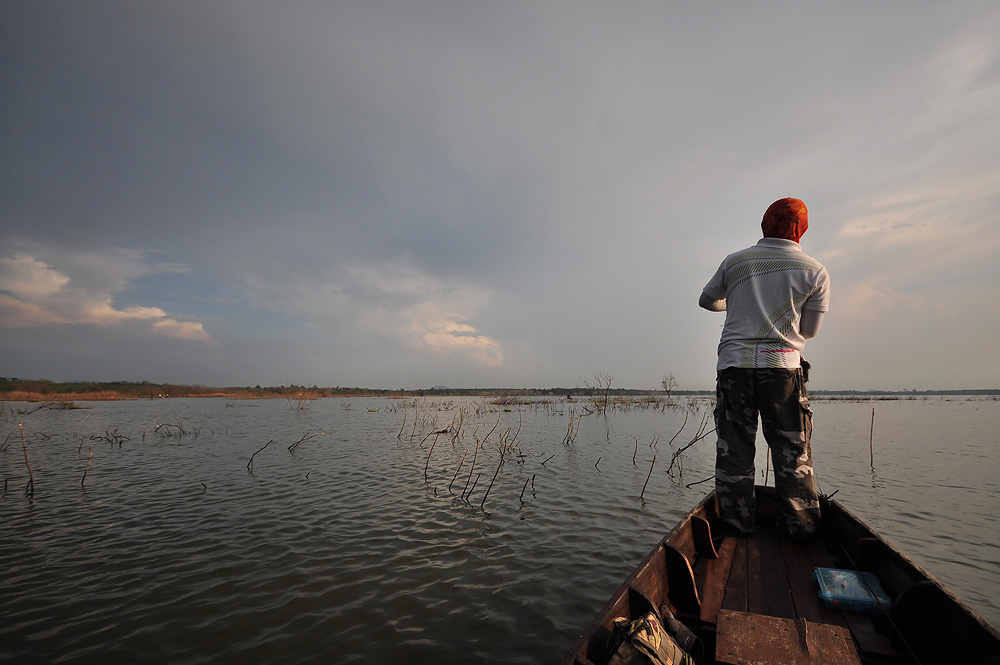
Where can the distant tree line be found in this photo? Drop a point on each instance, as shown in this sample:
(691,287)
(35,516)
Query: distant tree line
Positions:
(13,388)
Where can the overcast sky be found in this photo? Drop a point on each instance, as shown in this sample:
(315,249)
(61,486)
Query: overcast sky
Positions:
(489,194)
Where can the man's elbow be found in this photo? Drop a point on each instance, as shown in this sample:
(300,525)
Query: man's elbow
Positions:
(711,304)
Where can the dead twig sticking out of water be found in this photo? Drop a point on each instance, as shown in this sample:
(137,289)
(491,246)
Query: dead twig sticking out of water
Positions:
(29,410)
(495,474)
(495,425)
(683,425)
(598,462)
(636,451)
(30,487)
(699,482)
(475,456)
(458,469)
(548,458)
(169,429)
(521,498)
(476,482)
(301,402)
(400,435)
(458,430)
(570,432)
(699,435)
(89,457)
(305,437)
(648,476)
(428,462)
(111,436)
(250,463)
(180,424)
(520,417)
(871,440)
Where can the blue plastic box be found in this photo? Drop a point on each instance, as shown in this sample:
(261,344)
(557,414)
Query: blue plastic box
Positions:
(851,590)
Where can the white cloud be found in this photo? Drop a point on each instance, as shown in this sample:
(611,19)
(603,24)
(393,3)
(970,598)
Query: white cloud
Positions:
(440,330)
(392,301)
(181,329)
(83,290)
(25,277)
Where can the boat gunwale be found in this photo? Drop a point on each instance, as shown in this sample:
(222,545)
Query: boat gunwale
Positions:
(907,562)
(580,646)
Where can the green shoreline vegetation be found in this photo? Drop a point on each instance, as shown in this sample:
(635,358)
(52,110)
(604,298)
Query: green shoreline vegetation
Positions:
(15,389)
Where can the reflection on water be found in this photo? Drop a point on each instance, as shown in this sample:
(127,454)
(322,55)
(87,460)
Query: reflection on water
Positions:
(352,547)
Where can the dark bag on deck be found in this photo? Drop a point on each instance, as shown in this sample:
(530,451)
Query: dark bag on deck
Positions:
(646,640)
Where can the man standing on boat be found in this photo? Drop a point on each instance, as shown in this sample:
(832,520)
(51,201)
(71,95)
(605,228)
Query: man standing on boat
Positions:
(774,296)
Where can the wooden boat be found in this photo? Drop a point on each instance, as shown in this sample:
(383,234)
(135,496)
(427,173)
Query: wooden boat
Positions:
(754,599)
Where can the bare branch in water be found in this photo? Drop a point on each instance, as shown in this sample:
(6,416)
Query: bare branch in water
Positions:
(89,457)
(701,434)
(699,482)
(521,498)
(305,437)
(460,464)
(495,474)
(643,492)
(30,487)
(250,463)
(428,462)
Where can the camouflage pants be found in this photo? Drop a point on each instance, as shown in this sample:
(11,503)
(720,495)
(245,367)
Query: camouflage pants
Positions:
(781,399)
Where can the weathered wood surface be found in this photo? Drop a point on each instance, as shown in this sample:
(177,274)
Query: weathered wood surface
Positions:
(757,639)
(716,576)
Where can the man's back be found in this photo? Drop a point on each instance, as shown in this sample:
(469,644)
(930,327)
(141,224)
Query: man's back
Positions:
(767,288)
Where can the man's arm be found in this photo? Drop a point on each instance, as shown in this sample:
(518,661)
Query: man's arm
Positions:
(711,304)
(810,322)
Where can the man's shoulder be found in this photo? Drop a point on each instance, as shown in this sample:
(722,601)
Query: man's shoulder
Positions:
(746,251)
(763,259)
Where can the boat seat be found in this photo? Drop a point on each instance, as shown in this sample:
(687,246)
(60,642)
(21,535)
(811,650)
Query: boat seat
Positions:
(683,590)
(703,544)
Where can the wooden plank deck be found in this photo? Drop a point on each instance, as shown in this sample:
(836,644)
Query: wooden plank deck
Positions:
(761,575)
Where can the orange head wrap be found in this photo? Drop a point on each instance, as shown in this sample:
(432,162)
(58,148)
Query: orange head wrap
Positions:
(785,218)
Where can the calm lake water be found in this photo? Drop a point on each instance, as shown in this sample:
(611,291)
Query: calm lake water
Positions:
(359,546)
